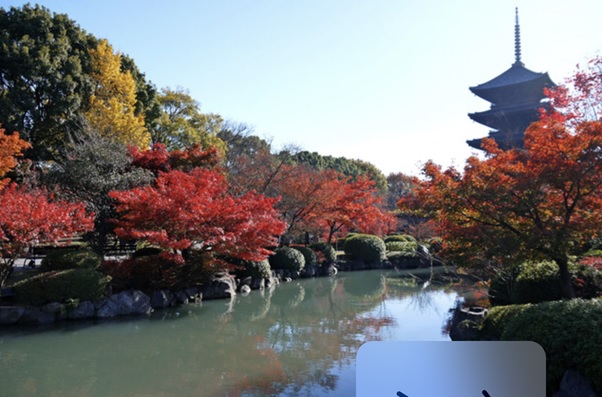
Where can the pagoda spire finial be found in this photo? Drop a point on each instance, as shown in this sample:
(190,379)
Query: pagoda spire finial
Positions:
(517,41)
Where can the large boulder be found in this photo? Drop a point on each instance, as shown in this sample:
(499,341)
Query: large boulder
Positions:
(574,384)
(56,309)
(466,322)
(131,302)
(223,286)
(83,310)
(161,299)
(35,316)
(257,283)
(10,314)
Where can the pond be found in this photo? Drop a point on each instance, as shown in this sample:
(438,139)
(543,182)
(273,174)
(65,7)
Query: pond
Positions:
(299,339)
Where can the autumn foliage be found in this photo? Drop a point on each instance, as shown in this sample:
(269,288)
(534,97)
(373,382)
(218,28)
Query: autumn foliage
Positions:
(353,205)
(192,210)
(159,159)
(34,217)
(11,146)
(327,201)
(112,108)
(538,203)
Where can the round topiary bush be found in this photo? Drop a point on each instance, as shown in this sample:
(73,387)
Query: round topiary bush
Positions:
(538,282)
(63,259)
(309,255)
(287,258)
(365,247)
(498,317)
(258,270)
(327,250)
(60,286)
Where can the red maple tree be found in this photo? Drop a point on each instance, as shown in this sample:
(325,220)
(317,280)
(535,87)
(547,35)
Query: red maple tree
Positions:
(352,205)
(193,211)
(158,159)
(302,195)
(31,217)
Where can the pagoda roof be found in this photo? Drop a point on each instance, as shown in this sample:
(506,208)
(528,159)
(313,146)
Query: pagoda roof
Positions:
(514,79)
(504,141)
(509,117)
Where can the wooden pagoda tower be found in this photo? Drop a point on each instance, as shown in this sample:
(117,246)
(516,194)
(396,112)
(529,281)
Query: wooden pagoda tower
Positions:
(515,96)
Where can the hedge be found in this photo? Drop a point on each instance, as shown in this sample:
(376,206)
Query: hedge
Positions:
(60,286)
(402,246)
(540,282)
(63,259)
(568,331)
(404,238)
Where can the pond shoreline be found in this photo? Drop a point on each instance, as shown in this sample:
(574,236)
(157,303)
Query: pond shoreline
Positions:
(135,303)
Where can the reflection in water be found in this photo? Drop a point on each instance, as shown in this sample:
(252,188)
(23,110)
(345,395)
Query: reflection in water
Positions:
(297,339)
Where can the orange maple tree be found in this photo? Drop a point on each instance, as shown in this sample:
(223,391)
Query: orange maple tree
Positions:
(302,195)
(193,211)
(11,146)
(542,202)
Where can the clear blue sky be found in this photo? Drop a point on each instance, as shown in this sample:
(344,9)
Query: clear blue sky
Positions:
(379,80)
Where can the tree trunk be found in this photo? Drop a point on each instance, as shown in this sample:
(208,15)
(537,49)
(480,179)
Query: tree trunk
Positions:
(6,268)
(565,277)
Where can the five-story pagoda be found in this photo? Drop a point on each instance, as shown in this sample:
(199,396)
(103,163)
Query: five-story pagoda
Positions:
(516,97)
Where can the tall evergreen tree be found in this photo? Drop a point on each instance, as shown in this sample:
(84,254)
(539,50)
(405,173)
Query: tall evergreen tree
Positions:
(44,75)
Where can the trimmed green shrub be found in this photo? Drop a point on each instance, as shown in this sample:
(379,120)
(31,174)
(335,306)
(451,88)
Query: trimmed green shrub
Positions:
(330,254)
(498,317)
(568,331)
(404,238)
(402,246)
(540,282)
(60,286)
(403,260)
(63,259)
(309,255)
(365,247)
(394,256)
(259,270)
(287,258)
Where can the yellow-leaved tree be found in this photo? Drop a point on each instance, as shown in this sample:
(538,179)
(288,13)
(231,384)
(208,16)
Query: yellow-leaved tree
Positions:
(113,101)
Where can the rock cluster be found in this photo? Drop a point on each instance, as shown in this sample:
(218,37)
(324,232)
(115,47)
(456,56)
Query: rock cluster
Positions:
(131,302)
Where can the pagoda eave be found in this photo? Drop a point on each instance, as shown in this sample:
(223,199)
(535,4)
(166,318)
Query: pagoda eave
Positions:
(528,91)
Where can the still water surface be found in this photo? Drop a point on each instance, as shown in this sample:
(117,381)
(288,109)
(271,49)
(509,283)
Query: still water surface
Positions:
(299,339)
